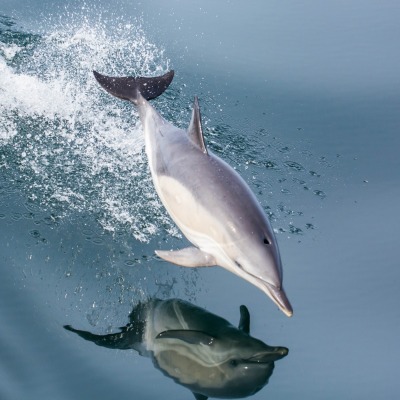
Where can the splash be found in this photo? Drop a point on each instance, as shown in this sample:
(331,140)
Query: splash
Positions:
(63,142)
(68,146)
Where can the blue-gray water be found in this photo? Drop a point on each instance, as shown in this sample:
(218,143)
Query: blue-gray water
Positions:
(303,99)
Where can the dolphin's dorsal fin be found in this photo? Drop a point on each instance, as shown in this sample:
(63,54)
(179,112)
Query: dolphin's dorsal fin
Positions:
(188,336)
(199,396)
(195,131)
(244,323)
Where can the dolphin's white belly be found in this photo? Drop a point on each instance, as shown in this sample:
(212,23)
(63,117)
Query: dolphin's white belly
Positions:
(196,222)
(178,358)
(200,212)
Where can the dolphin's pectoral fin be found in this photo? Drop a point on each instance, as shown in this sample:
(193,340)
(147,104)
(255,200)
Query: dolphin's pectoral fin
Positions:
(244,323)
(188,257)
(199,396)
(188,336)
(195,131)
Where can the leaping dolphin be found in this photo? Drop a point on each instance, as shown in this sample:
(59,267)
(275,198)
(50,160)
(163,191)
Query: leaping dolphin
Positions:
(197,349)
(208,200)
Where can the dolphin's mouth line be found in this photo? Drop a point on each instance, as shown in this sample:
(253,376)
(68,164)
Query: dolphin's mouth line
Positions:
(268,356)
(250,361)
(258,362)
(255,276)
(264,281)
(276,294)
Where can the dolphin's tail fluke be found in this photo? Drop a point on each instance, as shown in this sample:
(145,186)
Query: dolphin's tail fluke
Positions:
(130,88)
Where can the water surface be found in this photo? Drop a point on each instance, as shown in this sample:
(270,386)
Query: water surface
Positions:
(303,100)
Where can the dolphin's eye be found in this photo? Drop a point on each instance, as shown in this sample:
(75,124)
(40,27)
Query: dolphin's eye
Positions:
(266,241)
(233,363)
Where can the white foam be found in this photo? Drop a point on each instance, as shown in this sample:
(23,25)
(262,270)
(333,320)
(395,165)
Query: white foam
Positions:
(9,51)
(71,145)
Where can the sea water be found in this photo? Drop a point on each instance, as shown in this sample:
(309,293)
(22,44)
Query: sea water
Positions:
(311,125)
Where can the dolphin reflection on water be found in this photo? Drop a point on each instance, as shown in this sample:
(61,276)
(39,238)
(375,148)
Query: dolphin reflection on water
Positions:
(197,349)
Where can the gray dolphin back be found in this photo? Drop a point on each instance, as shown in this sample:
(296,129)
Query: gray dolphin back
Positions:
(130,88)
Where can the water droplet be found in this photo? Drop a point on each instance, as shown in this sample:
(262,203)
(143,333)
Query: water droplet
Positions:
(295,230)
(319,193)
(35,233)
(294,165)
(313,173)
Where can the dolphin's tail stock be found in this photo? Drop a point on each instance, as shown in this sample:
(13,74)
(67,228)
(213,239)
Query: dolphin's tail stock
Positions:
(124,340)
(130,88)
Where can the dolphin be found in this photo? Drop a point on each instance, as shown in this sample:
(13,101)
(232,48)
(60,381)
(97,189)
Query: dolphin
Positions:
(207,199)
(197,349)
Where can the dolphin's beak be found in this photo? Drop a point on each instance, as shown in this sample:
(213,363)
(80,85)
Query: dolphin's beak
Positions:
(269,355)
(280,299)
(277,295)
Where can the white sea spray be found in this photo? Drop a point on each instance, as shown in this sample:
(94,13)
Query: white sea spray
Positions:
(69,145)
